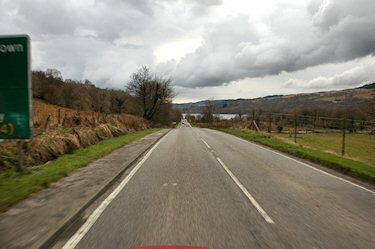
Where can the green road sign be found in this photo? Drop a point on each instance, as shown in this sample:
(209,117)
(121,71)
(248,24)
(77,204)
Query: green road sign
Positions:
(15,87)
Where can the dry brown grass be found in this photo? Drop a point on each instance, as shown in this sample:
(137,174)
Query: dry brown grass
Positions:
(72,118)
(222,124)
(233,125)
(76,129)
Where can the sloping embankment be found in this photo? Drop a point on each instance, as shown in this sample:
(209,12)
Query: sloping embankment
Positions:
(60,130)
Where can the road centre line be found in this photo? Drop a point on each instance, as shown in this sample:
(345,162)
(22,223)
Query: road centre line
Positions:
(76,238)
(248,195)
(205,143)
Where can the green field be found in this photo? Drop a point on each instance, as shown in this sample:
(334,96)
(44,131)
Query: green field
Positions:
(16,185)
(360,147)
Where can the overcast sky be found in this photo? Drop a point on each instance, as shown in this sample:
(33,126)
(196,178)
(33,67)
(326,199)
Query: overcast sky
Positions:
(214,49)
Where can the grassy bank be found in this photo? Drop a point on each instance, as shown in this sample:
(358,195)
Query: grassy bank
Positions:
(16,185)
(346,165)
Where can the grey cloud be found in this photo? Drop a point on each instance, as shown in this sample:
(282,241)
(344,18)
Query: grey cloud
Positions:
(331,13)
(209,2)
(144,6)
(132,46)
(103,63)
(107,37)
(359,75)
(115,37)
(210,64)
(44,17)
(200,8)
(110,20)
(329,32)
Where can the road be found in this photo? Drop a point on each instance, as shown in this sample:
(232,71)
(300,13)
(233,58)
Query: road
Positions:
(201,187)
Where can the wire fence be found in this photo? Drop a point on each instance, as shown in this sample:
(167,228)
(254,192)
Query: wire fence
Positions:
(308,124)
(296,124)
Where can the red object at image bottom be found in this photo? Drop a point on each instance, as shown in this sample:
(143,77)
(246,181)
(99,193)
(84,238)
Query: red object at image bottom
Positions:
(169,247)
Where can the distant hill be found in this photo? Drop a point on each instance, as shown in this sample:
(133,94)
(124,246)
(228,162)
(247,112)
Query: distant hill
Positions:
(368,86)
(329,99)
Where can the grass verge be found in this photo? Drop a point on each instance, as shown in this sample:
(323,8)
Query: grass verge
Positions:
(16,185)
(345,165)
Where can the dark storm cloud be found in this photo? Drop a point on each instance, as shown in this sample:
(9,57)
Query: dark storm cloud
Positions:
(324,32)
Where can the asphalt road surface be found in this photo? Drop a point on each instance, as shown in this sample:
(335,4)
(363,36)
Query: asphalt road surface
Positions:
(201,187)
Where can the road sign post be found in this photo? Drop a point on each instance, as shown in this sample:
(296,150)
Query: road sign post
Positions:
(15,88)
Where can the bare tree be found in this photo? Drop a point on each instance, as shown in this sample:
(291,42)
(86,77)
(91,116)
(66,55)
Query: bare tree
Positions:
(54,73)
(152,92)
(177,115)
(209,111)
(190,118)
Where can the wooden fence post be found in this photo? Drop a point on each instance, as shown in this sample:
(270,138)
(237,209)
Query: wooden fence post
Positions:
(343,137)
(47,121)
(313,123)
(270,123)
(256,126)
(295,127)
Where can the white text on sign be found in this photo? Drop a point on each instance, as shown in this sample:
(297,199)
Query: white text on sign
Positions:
(11,48)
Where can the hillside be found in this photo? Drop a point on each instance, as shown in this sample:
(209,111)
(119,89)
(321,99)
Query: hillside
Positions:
(330,99)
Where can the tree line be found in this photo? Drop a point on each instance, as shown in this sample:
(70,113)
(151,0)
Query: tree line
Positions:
(145,95)
(363,112)
(355,118)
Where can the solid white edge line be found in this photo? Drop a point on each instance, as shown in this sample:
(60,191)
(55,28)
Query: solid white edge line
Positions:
(308,166)
(248,195)
(76,238)
(205,143)
(319,170)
